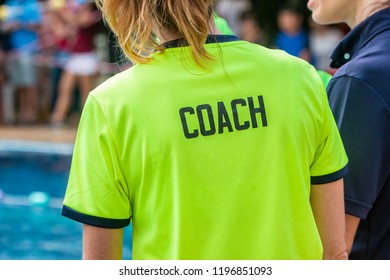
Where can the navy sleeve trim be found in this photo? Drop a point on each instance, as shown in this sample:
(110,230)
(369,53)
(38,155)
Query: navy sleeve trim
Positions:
(318,180)
(94,221)
(357,208)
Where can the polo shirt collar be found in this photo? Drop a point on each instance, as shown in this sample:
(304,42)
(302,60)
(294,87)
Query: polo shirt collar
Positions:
(359,36)
(210,39)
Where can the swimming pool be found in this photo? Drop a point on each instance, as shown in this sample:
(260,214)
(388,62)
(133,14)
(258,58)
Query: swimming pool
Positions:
(33,177)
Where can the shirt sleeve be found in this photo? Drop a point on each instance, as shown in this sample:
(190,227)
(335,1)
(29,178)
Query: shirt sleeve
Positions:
(363,118)
(96,193)
(330,162)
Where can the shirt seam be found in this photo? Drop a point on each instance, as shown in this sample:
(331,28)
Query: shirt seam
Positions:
(366,84)
(207,46)
(358,201)
(113,138)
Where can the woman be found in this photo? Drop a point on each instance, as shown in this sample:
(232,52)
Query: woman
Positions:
(360,99)
(214,148)
(292,36)
(82,65)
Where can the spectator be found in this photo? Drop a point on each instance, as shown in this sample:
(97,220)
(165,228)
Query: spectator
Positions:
(7,114)
(359,96)
(222,25)
(250,29)
(292,37)
(82,65)
(323,39)
(231,10)
(56,31)
(22,24)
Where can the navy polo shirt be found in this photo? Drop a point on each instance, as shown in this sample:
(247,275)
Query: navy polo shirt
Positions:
(359,95)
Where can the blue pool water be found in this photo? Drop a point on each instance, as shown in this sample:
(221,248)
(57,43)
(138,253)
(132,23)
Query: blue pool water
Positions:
(33,179)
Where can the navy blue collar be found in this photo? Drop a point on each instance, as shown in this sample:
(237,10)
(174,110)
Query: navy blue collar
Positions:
(210,40)
(359,36)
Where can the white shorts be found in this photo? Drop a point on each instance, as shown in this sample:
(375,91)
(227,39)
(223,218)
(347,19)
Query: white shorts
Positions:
(82,64)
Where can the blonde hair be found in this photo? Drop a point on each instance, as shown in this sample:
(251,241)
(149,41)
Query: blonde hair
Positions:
(135,23)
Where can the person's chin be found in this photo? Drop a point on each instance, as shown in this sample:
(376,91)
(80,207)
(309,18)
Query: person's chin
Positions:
(316,16)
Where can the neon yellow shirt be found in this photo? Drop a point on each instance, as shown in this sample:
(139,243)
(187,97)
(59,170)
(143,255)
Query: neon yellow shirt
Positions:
(325,77)
(208,164)
(222,25)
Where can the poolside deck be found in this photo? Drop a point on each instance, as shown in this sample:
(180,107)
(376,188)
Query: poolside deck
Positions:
(39,133)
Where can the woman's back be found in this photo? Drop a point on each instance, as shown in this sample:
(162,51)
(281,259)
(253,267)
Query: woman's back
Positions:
(217,163)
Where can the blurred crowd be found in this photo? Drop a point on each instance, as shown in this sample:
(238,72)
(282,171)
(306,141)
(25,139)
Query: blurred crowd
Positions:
(294,31)
(54,52)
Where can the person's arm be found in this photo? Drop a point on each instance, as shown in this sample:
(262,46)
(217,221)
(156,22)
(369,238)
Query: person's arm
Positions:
(102,243)
(327,201)
(351,224)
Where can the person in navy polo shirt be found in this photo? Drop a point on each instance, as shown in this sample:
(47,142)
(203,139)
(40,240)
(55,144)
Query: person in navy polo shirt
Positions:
(359,95)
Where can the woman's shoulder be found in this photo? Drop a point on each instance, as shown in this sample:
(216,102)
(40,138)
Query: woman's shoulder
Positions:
(116,86)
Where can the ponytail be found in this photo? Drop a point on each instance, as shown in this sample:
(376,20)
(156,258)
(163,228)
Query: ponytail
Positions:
(136,22)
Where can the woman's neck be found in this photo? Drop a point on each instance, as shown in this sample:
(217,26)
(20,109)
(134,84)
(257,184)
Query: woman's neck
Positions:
(366,9)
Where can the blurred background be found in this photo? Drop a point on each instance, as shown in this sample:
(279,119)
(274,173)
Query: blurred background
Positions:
(52,54)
